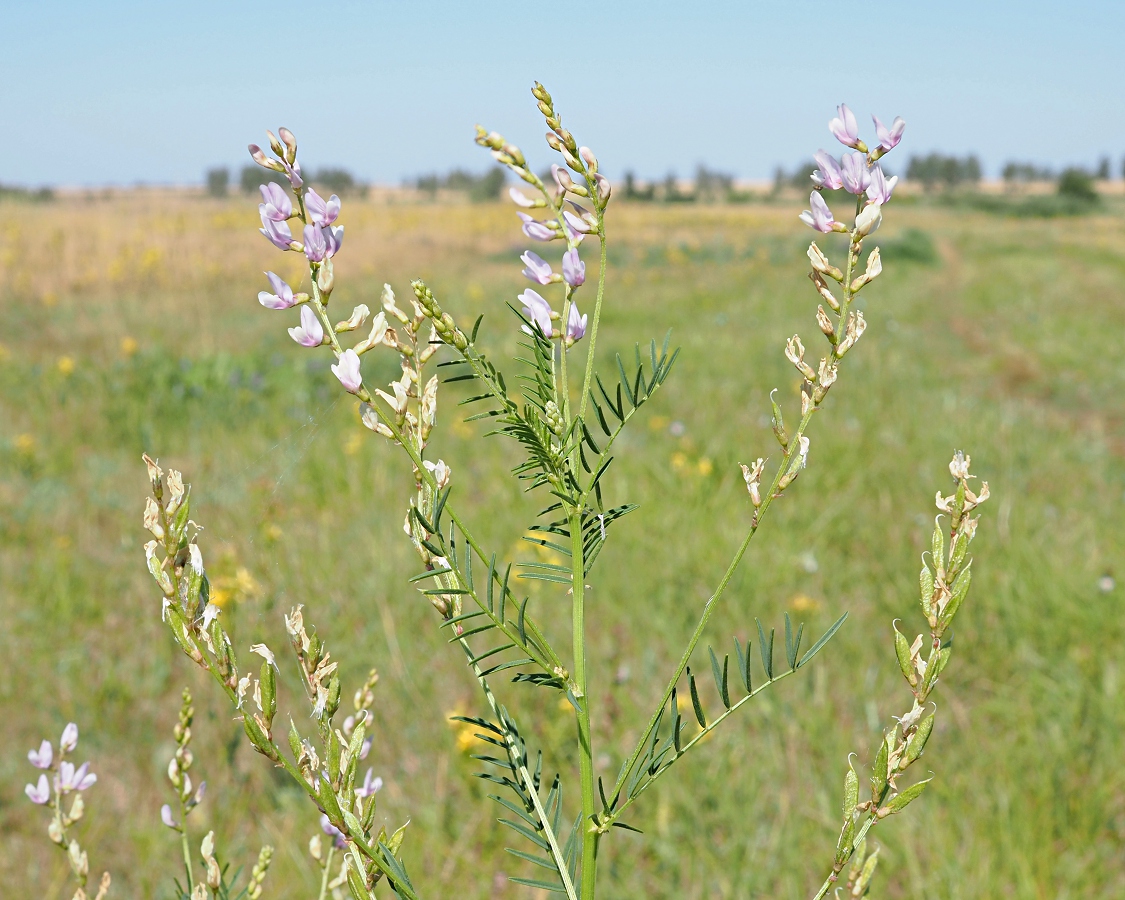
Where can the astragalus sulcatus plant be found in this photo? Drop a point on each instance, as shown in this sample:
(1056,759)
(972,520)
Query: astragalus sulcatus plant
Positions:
(566,416)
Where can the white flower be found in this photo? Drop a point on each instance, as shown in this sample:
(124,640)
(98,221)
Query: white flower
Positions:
(869,219)
(265,652)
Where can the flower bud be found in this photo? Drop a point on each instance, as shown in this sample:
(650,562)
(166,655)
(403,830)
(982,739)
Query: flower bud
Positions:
(326,278)
(275,144)
(78,860)
(588,157)
(290,144)
(553,140)
(540,93)
(570,159)
(264,161)
(514,152)
(868,220)
(603,188)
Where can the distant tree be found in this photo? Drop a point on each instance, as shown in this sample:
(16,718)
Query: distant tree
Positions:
(712,185)
(487,187)
(671,192)
(218,180)
(1077,184)
(1102,173)
(947,171)
(1024,172)
(252,176)
(480,188)
(336,181)
(632,192)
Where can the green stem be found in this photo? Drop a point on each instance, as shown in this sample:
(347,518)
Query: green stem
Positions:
(185,846)
(590,833)
(597,317)
(529,785)
(767,501)
(711,726)
(324,877)
(832,879)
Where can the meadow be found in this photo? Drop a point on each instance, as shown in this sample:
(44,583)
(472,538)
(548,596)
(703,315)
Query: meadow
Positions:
(130,324)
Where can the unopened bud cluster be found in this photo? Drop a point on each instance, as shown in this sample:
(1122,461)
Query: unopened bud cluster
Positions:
(178,766)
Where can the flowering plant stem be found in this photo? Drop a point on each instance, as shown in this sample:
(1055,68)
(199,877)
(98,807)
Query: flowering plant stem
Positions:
(590,832)
(327,871)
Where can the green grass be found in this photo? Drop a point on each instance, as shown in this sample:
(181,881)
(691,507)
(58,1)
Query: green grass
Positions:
(999,336)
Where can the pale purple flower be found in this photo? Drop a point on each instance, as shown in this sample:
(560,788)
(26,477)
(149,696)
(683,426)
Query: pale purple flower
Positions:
(578,224)
(537,310)
(72,779)
(276,204)
(166,817)
(282,296)
(348,371)
(538,269)
(820,216)
(573,269)
(370,786)
(277,233)
(293,172)
(828,175)
(309,333)
(316,247)
(42,757)
(520,198)
(69,739)
(535,230)
(334,238)
(889,138)
(365,749)
(856,175)
(39,793)
(333,832)
(562,177)
(845,128)
(322,212)
(881,187)
(575,325)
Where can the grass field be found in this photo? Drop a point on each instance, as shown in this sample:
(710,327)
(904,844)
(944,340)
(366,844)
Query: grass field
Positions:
(130,324)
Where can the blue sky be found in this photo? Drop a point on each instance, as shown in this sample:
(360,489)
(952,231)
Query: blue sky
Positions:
(123,92)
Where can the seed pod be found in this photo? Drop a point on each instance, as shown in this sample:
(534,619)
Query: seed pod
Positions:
(269,693)
(851,793)
(926,589)
(900,801)
(902,651)
(918,741)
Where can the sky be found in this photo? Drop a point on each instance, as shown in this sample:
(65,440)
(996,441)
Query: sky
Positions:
(118,93)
